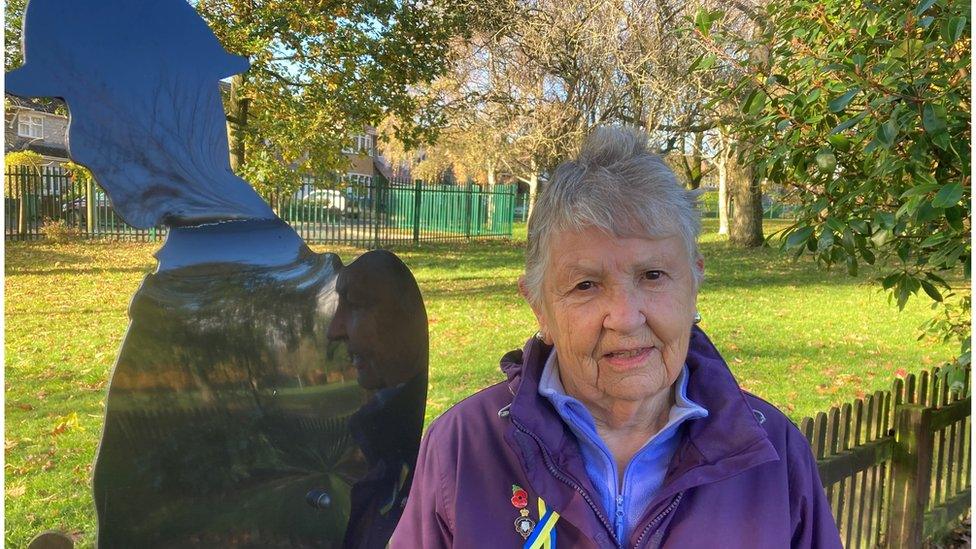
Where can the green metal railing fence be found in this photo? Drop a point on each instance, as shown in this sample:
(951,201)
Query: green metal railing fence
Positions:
(364,213)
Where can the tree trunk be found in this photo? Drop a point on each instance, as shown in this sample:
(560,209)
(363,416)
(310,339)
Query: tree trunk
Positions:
(237,105)
(723,184)
(746,194)
(533,189)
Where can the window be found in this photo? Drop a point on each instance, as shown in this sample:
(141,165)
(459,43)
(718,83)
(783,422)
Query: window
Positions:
(361,144)
(30,125)
(358,179)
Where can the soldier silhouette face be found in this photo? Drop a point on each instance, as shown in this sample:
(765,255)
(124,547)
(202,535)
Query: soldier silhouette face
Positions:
(381,319)
(140,78)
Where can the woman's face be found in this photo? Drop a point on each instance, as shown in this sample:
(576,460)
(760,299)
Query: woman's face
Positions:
(619,312)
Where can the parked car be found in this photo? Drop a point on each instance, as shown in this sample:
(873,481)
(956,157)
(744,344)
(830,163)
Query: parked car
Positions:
(77,209)
(330,199)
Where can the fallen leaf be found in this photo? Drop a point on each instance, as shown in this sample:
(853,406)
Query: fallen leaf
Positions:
(25,407)
(900,372)
(16,491)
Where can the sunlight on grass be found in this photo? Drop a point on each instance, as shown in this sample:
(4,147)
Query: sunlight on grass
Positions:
(802,338)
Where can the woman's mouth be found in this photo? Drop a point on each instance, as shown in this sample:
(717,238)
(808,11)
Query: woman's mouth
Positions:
(627,359)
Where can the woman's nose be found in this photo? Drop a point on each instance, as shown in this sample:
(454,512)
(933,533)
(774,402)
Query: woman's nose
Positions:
(337,328)
(623,313)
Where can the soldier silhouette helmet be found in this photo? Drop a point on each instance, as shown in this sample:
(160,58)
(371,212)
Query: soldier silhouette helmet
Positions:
(140,78)
(70,43)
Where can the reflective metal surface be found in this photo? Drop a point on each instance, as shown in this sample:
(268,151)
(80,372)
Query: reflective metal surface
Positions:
(264,395)
(140,78)
(241,389)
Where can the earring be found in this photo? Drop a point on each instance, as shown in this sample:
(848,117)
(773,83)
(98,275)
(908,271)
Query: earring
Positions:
(539,336)
(697,317)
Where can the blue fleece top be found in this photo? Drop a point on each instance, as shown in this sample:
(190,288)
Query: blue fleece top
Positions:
(645,472)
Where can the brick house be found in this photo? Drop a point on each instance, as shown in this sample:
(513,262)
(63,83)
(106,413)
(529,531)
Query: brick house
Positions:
(37,126)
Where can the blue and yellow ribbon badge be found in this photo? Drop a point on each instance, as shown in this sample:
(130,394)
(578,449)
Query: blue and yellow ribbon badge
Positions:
(544,534)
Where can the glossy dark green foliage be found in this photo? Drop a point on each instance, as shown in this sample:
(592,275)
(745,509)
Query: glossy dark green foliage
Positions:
(861,110)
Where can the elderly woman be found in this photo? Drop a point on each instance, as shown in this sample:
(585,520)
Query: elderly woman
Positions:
(619,425)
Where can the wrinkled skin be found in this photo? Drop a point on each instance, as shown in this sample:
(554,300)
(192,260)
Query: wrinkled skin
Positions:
(619,312)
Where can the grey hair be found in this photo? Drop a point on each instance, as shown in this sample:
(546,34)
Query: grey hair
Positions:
(618,185)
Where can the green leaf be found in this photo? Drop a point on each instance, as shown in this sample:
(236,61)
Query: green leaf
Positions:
(934,240)
(835,224)
(904,252)
(849,123)
(871,30)
(926,212)
(921,189)
(748,101)
(704,62)
(925,5)
(839,141)
(954,216)
(826,161)
(934,119)
(703,21)
(838,104)
(948,196)
(956,377)
(891,280)
(952,29)
(884,219)
(931,290)
(868,256)
(826,240)
(887,133)
(799,237)
(757,103)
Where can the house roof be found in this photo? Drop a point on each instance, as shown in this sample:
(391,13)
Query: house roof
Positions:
(40,148)
(49,105)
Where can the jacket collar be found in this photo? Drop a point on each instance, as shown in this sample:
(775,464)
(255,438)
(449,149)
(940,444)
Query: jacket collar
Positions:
(727,442)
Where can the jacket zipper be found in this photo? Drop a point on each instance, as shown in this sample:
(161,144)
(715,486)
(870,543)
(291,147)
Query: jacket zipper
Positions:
(565,480)
(658,518)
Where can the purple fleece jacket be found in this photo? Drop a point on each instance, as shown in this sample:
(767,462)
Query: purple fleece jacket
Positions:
(742,477)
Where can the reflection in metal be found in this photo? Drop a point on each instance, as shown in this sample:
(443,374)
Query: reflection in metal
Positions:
(265,395)
(381,318)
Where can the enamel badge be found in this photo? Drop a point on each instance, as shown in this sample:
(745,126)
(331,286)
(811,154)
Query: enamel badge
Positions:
(520,500)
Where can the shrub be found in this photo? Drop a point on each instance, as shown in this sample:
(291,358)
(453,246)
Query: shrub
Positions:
(59,231)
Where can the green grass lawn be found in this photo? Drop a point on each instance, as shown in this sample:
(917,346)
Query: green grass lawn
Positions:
(800,337)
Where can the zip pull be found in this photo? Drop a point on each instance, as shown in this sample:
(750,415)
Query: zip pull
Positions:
(503,413)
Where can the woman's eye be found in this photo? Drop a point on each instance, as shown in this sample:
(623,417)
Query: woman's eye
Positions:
(653,275)
(585,285)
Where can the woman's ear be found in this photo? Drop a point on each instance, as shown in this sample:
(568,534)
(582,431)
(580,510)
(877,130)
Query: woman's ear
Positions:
(536,310)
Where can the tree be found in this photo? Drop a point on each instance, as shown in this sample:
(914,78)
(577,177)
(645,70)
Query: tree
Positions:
(320,72)
(28,177)
(862,112)
(539,75)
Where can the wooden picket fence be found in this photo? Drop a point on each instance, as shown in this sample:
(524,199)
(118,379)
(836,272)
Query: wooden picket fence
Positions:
(895,465)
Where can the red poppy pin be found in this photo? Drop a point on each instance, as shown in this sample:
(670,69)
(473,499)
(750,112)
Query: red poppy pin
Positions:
(520,500)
